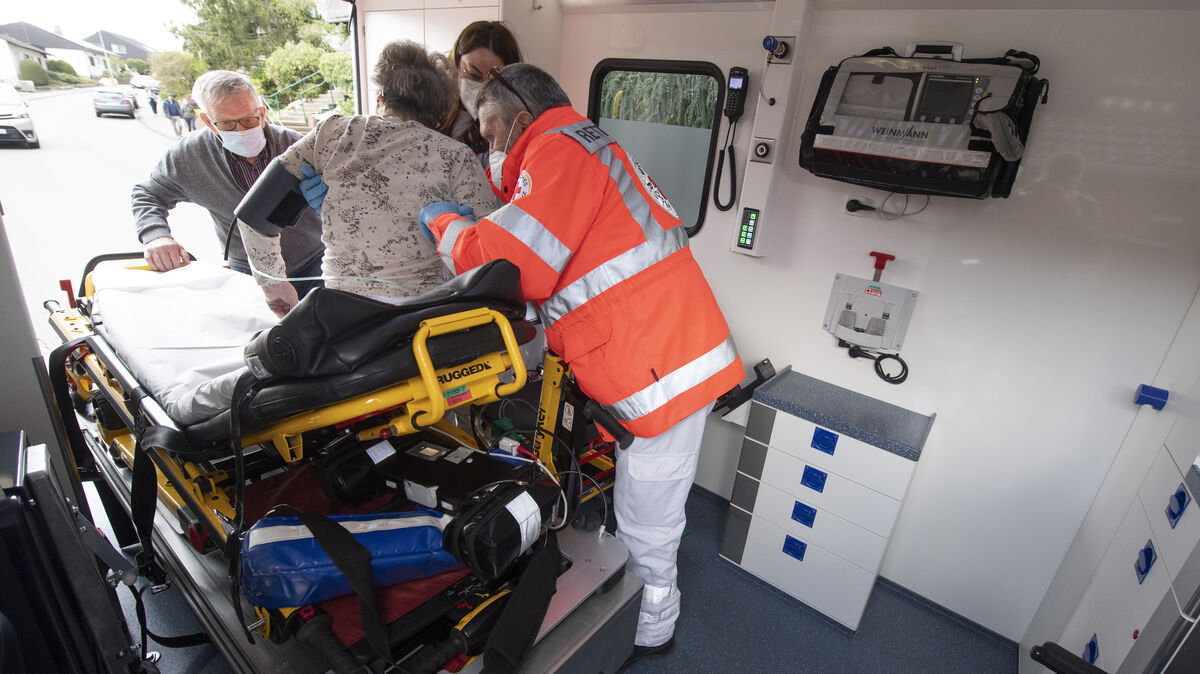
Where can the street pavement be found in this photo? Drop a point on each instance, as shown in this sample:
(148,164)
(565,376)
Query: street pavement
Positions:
(69,200)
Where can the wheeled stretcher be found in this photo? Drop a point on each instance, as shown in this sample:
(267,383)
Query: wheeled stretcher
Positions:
(254,408)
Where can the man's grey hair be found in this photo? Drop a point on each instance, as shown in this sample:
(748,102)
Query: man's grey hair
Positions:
(216,86)
(414,84)
(538,89)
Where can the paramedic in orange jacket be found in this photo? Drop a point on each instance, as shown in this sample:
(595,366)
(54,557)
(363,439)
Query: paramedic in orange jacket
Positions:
(606,259)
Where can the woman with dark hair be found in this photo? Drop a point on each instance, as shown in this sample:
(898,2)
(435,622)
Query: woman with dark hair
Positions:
(480,47)
(380,171)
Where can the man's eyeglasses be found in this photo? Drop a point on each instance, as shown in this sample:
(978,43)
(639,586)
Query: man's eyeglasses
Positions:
(495,72)
(245,123)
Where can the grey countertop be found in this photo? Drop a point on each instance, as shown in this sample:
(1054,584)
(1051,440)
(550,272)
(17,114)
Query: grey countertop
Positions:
(875,422)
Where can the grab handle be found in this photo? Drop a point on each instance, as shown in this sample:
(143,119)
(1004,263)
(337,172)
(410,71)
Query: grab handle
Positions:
(463,320)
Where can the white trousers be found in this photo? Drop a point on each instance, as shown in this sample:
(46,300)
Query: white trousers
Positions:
(653,477)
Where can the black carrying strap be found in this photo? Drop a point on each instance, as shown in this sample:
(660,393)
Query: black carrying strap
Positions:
(354,561)
(62,399)
(243,389)
(518,625)
(181,641)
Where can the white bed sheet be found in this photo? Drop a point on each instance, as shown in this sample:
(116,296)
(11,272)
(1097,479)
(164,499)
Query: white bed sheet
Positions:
(182,332)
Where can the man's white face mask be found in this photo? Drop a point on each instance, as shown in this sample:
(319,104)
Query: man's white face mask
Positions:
(496,158)
(468,91)
(246,143)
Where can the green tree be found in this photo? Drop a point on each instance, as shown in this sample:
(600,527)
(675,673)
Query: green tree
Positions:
(175,70)
(321,34)
(61,67)
(34,72)
(138,66)
(237,34)
(288,64)
(337,69)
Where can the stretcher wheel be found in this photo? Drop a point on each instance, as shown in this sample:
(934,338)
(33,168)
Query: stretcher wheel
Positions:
(106,414)
(80,405)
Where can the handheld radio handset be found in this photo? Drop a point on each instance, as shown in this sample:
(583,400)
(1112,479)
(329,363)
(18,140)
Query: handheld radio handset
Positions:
(735,105)
(735,98)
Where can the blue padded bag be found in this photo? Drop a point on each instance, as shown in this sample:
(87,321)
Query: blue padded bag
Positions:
(284,566)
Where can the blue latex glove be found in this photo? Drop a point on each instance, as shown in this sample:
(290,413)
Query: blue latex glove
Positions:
(437,208)
(313,188)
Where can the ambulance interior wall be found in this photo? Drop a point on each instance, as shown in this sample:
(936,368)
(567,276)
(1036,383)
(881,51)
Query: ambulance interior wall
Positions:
(1039,315)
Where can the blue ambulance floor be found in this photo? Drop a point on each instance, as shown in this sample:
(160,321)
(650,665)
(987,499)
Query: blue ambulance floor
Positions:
(733,622)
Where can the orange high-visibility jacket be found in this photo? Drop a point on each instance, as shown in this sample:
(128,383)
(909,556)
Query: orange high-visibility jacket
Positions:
(606,259)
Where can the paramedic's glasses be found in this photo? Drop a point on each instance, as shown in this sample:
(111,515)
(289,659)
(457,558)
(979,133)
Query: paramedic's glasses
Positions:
(495,73)
(245,123)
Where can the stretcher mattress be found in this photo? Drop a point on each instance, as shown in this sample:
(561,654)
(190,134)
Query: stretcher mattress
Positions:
(182,332)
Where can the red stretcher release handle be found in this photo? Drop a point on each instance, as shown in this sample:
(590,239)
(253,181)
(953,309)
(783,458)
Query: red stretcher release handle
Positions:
(881,259)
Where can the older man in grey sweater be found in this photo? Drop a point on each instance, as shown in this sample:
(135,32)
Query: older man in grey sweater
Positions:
(215,170)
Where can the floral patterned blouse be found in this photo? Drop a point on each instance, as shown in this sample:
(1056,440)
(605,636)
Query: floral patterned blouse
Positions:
(381,171)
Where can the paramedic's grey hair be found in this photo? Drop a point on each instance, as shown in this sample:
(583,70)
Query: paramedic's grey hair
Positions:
(536,87)
(414,84)
(220,85)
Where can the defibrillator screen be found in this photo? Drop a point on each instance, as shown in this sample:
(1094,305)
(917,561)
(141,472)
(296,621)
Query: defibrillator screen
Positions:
(946,99)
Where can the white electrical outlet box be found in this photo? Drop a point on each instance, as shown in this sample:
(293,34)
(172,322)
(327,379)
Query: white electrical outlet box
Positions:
(868,313)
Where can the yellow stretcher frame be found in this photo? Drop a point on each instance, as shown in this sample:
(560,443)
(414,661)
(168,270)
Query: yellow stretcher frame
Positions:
(420,402)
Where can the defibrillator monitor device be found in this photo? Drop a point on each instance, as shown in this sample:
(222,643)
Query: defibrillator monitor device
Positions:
(922,125)
(273,202)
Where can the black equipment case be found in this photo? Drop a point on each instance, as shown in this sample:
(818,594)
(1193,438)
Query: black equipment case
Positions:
(924,124)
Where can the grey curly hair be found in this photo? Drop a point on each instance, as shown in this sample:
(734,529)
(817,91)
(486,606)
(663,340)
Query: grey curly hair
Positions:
(413,85)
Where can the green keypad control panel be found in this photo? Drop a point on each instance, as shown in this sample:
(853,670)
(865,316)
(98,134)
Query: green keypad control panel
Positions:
(748,229)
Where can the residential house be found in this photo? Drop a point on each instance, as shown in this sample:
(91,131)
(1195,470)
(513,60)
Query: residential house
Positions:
(12,52)
(88,60)
(124,47)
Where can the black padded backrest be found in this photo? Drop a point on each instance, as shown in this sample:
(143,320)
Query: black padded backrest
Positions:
(331,331)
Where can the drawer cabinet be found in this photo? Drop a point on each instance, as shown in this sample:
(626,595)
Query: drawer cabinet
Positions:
(821,478)
(1174,517)
(808,572)
(1131,584)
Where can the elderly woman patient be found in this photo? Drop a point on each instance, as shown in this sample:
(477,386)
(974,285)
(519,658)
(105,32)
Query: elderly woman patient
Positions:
(381,170)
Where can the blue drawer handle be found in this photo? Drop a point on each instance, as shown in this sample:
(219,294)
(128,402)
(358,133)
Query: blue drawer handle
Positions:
(813,479)
(1091,652)
(804,514)
(1145,561)
(824,441)
(1177,504)
(794,547)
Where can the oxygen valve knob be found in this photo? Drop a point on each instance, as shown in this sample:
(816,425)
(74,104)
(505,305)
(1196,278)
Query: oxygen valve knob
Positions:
(778,48)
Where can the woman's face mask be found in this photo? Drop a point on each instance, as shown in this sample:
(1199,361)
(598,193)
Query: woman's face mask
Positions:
(468,91)
(246,143)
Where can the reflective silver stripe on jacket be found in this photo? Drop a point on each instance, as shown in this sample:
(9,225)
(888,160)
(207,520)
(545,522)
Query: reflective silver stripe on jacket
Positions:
(293,532)
(445,247)
(675,383)
(528,230)
(659,245)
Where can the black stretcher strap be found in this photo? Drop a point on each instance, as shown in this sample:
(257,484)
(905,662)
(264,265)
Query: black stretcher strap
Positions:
(143,488)
(181,641)
(354,561)
(518,625)
(243,389)
(62,398)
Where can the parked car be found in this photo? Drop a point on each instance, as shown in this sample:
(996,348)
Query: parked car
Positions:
(16,126)
(143,82)
(114,102)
